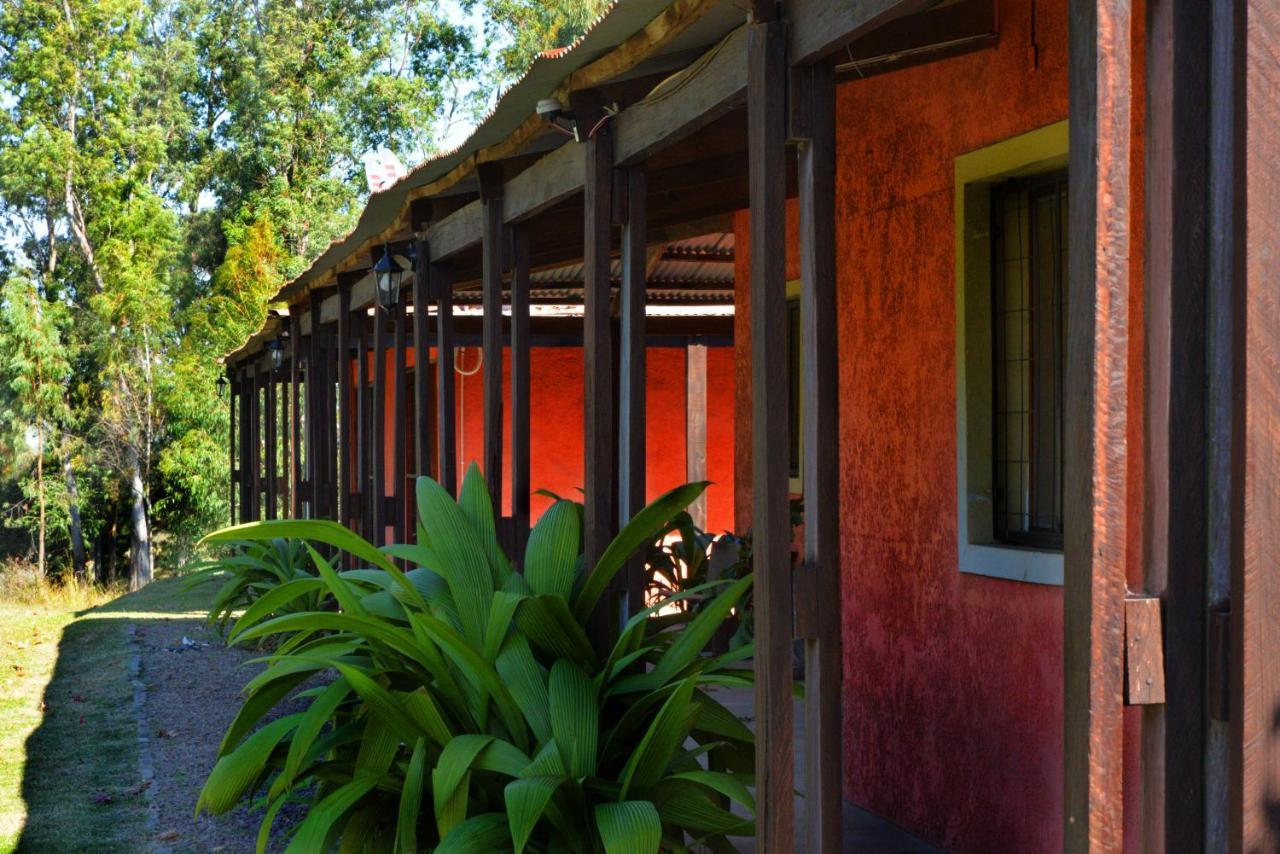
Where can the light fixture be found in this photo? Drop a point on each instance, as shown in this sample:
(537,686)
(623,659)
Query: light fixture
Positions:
(389,274)
(222,386)
(276,348)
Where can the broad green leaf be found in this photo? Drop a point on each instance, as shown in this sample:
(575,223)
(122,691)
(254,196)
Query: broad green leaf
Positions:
(455,761)
(321,826)
(650,758)
(688,805)
(526,800)
(485,832)
(423,710)
(411,800)
(474,501)
(690,643)
(312,721)
(273,600)
(464,562)
(639,531)
(732,786)
(500,614)
(256,705)
(382,703)
(236,772)
(575,716)
(550,626)
(551,556)
(629,827)
(347,598)
(528,683)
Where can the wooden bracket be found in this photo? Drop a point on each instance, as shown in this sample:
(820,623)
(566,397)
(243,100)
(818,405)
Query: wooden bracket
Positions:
(1144,651)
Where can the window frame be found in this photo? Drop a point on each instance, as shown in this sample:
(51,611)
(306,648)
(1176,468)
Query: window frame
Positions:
(1042,150)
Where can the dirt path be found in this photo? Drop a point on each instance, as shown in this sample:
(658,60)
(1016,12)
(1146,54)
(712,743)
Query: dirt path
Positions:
(192,683)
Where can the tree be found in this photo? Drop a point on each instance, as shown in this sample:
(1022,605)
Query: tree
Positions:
(35,372)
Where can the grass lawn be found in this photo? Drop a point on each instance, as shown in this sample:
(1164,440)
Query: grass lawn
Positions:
(69,778)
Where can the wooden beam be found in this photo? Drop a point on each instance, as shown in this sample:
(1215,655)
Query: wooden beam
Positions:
(706,91)
(255,447)
(422,362)
(819,28)
(598,438)
(367,442)
(400,440)
(775,748)
(1095,510)
(315,405)
(491,252)
(1145,665)
(1255,436)
(813,97)
(447,420)
(286,449)
(520,388)
(1175,536)
(632,389)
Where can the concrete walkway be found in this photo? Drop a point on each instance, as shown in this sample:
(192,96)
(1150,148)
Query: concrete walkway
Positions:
(864,832)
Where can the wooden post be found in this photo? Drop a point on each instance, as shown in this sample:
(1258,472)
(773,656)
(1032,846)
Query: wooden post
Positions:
(295,413)
(598,444)
(766,146)
(422,362)
(520,484)
(366,427)
(695,425)
(346,447)
(400,440)
(491,257)
(315,410)
(255,444)
(286,448)
(1255,431)
(245,388)
(447,418)
(1175,306)
(1096,416)
(632,397)
(378,486)
(233,393)
(271,447)
(814,105)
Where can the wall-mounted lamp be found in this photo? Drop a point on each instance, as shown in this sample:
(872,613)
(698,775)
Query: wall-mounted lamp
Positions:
(276,348)
(222,387)
(389,275)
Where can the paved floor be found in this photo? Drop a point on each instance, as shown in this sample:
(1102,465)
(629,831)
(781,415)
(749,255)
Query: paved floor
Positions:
(864,832)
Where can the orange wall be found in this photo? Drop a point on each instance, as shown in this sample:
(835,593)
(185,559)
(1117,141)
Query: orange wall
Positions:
(555,440)
(953,682)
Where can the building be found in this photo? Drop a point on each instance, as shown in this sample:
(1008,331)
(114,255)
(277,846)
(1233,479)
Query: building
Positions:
(1003,312)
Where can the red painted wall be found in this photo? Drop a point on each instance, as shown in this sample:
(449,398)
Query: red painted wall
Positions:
(953,682)
(555,440)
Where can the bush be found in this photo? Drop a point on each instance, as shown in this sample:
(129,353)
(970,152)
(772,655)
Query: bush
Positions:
(468,708)
(252,569)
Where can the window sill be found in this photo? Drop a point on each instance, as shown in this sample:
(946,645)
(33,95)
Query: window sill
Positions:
(1011,563)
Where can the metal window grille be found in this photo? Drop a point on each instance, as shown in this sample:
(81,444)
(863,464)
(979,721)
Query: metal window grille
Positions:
(1029,260)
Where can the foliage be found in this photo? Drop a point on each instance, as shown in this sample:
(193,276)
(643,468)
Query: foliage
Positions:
(470,710)
(253,570)
(521,29)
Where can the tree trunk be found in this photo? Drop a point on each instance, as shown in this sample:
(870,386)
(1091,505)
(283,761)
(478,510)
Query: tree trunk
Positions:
(140,545)
(40,496)
(78,561)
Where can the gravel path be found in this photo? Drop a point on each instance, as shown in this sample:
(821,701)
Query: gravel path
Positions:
(192,694)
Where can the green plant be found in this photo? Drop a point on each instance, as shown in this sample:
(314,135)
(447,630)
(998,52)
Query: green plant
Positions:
(469,709)
(253,569)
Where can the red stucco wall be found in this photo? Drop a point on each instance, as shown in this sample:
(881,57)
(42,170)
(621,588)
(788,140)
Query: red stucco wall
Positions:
(555,440)
(953,682)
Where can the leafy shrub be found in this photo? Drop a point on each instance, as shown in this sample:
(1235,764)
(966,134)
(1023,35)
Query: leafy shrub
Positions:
(252,569)
(469,710)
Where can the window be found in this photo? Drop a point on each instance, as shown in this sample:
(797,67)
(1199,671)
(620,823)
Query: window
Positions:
(1011,249)
(1028,279)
